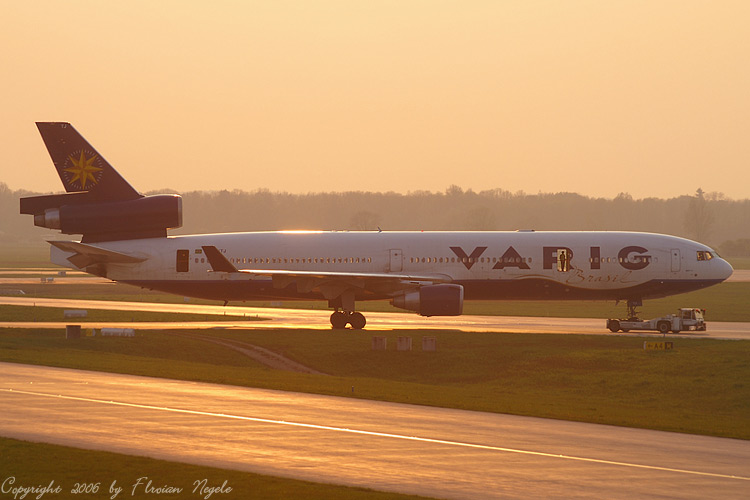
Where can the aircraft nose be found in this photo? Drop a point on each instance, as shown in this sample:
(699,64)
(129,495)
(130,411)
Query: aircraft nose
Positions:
(723,269)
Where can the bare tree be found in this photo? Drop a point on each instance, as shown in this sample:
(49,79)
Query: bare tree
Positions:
(364,221)
(699,217)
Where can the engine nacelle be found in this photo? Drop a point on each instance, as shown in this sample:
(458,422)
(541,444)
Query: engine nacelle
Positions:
(433,300)
(144,216)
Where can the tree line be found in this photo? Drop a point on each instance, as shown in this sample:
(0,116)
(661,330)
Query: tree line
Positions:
(707,217)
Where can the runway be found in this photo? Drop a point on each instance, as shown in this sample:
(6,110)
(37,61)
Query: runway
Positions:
(392,447)
(318,319)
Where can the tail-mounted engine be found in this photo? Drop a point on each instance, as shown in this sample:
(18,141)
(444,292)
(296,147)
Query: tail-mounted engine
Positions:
(77,213)
(98,204)
(433,300)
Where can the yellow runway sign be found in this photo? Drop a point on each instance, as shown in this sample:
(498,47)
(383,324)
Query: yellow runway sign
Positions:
(658,346)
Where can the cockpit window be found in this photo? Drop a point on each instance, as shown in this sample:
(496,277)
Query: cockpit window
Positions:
(702,255)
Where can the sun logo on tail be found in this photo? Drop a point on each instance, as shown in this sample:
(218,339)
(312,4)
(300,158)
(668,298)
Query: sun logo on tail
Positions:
(83,173)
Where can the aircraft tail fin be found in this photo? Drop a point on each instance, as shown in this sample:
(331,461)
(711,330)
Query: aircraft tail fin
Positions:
(80,166)
(99,204)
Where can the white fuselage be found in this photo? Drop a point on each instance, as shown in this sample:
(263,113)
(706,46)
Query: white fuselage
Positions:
(489,265)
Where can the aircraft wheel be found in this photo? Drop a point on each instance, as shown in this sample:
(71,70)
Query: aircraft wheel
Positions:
(357,320)
(338,320)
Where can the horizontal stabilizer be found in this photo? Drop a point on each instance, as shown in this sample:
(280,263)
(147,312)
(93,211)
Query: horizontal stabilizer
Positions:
(87,255)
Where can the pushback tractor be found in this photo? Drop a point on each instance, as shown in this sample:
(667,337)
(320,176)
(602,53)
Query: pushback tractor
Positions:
(687,318)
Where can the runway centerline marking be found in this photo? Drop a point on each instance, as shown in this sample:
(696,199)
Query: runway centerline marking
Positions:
(378,434)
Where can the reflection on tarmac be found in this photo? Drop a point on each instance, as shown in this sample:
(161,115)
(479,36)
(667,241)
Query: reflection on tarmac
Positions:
(317,319)
(392,447)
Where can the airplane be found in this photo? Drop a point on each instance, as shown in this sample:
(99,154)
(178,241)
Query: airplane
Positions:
(124,238)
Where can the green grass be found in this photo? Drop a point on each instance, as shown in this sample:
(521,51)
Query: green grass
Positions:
(104,291)
(701,387)
(31,314)
(35,464)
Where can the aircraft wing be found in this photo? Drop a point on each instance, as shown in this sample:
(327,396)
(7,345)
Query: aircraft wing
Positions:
(332,284)
(86,255)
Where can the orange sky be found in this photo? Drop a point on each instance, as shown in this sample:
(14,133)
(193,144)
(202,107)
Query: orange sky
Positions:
(646,97)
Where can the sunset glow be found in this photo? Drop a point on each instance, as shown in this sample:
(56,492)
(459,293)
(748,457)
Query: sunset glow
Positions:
(598,98)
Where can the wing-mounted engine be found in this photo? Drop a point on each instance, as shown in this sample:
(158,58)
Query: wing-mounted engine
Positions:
(433,300)
(74,213)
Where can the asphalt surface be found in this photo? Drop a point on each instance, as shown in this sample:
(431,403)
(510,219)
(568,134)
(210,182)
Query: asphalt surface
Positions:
(392,447)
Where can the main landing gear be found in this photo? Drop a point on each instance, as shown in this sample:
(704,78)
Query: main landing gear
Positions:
(339,320)
(343,307)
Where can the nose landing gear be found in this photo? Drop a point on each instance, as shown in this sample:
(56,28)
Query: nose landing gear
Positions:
(632,313)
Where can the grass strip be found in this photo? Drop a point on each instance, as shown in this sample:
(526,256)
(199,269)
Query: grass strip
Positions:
(37,313)
(36,464)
